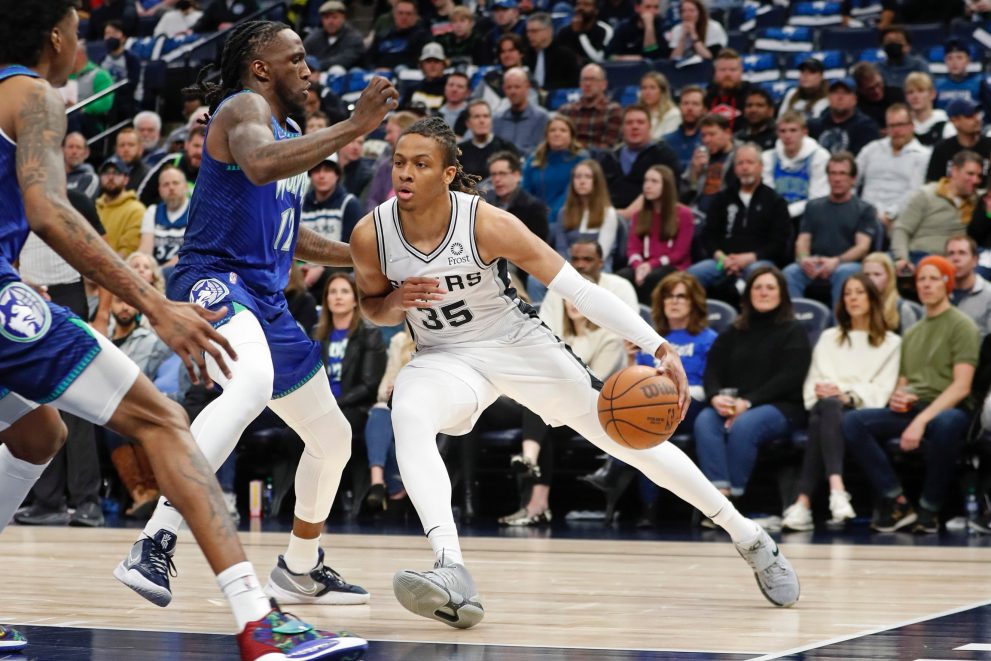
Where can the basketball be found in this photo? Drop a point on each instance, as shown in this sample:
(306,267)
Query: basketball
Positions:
(638,407)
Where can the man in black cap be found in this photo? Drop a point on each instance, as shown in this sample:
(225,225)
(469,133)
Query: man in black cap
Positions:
(958,82)
(966,117)
(843,127)
(330,211)
(810,97)
(337,44)
(120,211)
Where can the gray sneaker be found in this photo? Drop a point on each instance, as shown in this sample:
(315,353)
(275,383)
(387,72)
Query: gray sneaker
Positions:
(321,585)
(446,593)
(775,575)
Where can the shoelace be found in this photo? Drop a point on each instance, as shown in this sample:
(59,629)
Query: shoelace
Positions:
(329,574)
(160,560)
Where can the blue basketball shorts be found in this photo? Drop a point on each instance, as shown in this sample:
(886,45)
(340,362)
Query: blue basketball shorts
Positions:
(295,357)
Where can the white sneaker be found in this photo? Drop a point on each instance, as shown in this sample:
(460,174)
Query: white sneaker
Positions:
(840,508)
(797,517)
(446,593)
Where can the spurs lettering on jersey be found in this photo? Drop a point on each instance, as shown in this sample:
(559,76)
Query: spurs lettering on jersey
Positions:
(479,303)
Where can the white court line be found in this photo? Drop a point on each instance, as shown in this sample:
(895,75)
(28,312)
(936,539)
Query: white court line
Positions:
(974,647)
(869,632)
(413,642)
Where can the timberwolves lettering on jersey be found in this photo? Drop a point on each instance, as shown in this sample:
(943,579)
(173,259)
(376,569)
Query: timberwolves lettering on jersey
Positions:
(480,304)
(240,228)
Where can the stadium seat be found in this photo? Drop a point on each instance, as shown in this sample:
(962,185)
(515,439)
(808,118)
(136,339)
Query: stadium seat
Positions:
(646,314)
(720,314)
(678,77)
(848,39)
(865,9)
(557,98)
(761,68)
(777,89)
(833,60)
(873,55)
(815,14)
(738,41)
(758,16)
(813,315)
(560,19)
(938,66)
(621,74)
(926,35)
(784,40)
(627,95)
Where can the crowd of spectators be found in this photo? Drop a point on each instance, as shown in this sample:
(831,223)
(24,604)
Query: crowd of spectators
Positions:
(651,144)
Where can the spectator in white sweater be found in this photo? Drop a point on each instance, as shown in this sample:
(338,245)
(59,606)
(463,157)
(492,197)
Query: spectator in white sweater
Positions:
(796,167)
(893,168)
(854,365)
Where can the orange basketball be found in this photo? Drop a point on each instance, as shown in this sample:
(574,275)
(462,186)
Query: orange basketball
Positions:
(638,407)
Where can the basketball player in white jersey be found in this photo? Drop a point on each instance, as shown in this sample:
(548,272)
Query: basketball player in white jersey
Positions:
(436,259)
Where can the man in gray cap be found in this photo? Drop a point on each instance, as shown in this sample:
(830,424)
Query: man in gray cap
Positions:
(338,43)
(430,90)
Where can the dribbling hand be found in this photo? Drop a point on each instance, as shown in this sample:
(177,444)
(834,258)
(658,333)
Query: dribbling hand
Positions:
(418,292)
(375,102)
(186,329)
(672,368)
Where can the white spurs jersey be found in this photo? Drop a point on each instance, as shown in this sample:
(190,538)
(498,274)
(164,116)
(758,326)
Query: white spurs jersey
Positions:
(480,304)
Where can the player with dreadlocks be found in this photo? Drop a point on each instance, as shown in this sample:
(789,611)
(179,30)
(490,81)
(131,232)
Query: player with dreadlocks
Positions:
(436,257)
(242,237)
(48,356)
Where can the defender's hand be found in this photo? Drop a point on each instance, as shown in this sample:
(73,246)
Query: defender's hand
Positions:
(186,329)
(375,102)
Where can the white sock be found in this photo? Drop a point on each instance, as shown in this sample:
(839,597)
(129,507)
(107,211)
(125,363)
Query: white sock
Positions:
(16,479)
(244,593)
(301,554)
(218,427)
(444,541)
(740,528)
(165,517)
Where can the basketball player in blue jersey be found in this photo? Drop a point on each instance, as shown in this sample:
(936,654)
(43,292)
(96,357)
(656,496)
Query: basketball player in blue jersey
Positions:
(50,359)
(242,237)
(436,257)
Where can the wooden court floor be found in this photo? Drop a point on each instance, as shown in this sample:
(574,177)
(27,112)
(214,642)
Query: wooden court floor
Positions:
(622,595)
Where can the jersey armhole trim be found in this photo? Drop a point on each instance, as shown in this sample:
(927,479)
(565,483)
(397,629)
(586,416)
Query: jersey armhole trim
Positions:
(475,250)
(379,239)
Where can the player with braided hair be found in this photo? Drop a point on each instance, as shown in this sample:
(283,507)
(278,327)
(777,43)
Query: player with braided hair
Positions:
(52,360)
(242,237)
(435,257)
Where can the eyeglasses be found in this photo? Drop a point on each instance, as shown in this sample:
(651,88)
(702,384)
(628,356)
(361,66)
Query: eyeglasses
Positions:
(676,297)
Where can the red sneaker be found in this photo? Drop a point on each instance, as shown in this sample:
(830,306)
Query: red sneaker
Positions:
(279,635)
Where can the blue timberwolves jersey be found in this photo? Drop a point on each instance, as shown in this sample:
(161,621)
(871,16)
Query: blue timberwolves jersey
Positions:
(239,228)
(13,223)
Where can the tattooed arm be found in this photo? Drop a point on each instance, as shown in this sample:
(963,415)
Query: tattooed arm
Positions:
(313,248)
(245,121)
(39,126)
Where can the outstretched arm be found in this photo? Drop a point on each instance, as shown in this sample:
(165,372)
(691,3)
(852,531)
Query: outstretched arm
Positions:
(315,249)
(39,127)
(251,144)
(500,234)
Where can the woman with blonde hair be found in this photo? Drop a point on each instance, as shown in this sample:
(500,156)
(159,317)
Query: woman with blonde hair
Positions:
(547,172)
(149,270)
(655,93)
(898,314)
(588,212)
(660,238)
(854,365)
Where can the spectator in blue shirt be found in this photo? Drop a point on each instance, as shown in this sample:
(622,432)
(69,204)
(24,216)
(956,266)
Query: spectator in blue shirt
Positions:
(686,138)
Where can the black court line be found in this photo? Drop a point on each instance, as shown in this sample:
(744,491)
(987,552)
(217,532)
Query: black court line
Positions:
(78,644)
(934,637)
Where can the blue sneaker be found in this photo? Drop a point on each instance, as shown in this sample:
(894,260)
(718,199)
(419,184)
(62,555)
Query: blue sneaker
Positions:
(11,640)
(147,568)
(320,585)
